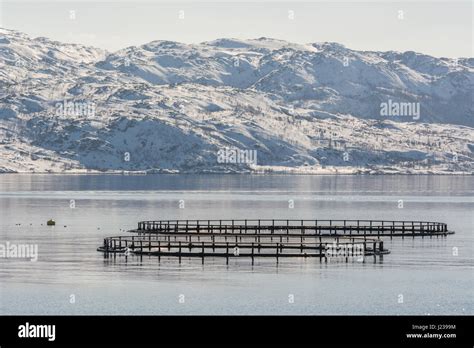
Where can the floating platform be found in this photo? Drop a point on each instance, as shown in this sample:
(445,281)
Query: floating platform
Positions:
(178,246)
(378,228)
(323,239)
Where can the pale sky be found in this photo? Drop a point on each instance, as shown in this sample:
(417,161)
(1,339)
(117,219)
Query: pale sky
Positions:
(438,28)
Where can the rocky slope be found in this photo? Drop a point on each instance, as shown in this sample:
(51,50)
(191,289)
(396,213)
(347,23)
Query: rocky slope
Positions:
(172,107)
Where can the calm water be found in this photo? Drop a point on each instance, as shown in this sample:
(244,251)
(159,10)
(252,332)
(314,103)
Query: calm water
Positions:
(430,275)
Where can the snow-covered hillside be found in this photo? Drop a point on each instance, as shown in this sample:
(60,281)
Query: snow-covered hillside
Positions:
(172,107)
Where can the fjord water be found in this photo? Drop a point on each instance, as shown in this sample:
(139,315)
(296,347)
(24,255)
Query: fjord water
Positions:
(420,276)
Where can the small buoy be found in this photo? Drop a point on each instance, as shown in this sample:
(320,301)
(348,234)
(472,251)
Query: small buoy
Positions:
(51,222)
(65,226)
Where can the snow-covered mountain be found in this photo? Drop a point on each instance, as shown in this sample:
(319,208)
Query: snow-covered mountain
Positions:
(167,106)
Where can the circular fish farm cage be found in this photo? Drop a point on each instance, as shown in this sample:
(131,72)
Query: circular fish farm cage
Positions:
(322,239)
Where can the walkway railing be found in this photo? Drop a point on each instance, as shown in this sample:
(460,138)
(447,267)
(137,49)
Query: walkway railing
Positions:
(267,238)
(305,227)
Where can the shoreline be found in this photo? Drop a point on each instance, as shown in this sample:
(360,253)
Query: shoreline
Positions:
(243,173)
